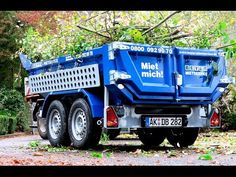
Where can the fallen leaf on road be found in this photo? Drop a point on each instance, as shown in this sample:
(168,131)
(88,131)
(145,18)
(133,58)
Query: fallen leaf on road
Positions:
(215,145)
(50,161)
(213,162)
(16,161)
(37,154)
(207,135)
(172,154)
(201,150)
(219,151)
(229,152)
(106,150)
(138,151)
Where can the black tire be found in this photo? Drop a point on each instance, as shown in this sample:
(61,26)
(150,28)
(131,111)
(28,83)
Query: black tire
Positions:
(57,112)
(112,133)
(182,137)
(42,127)
(83,130)
(151,136)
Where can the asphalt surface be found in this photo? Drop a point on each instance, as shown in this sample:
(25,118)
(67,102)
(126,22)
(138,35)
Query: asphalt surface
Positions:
(125,150)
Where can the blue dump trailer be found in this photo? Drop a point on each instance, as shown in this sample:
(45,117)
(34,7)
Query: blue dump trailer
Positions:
(157,92)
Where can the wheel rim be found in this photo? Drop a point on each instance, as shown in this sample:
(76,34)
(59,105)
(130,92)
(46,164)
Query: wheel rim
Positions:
(42,125)
(78,124)
(55,124)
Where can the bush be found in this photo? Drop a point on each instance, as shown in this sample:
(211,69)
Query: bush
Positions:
(22,118)
(229,121)
(11,100)
(227,106)
(14,112)
(7,123)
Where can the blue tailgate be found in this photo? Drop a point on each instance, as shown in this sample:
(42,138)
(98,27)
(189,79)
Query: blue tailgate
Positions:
(201,71)
(150,69)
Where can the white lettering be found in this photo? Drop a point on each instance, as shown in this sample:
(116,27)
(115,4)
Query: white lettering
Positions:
(153,74)
(149,66)
(152,70)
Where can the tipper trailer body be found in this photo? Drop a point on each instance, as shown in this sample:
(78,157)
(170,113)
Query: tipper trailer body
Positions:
(156,91)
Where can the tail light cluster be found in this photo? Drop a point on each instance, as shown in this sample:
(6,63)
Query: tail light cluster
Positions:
(27,88)
(112,119)
(215,118)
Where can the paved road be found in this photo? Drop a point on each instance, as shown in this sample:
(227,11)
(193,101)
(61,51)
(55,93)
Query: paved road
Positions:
(123,151)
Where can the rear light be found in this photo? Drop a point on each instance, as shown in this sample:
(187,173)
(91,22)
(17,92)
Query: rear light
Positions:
(28,91)
(27,88)
(215,118)
(112,119)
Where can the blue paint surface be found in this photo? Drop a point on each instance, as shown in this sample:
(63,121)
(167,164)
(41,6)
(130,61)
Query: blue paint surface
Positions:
(152,71)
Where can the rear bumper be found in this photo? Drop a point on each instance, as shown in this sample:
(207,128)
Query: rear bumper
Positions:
(197,117)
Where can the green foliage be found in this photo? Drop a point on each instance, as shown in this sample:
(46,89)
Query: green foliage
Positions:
(34,144)
(12,104)
(7,123)
(172,154)
(10,35)
(11,100)
(229,120)
(206,156)
(227,107)
(132,35)
(104,138)
(36,45)
(12,125)
(22,118)
(203,29)
(109,154)
(54,149)
(97,154)
(37,146)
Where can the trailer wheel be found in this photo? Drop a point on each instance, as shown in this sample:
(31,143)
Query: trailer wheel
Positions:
(42,128)
(57,124)
(182,137)
(151,137)
(83,130)
(113,133)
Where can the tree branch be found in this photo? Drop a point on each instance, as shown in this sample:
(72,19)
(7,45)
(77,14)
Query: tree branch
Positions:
(165,22)
(168,35)
(228,45)
(92,31)
(107,30)
(178,36)
(159,24)
(95,16)
(226,104)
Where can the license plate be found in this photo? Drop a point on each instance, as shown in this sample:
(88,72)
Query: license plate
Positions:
(163,121)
